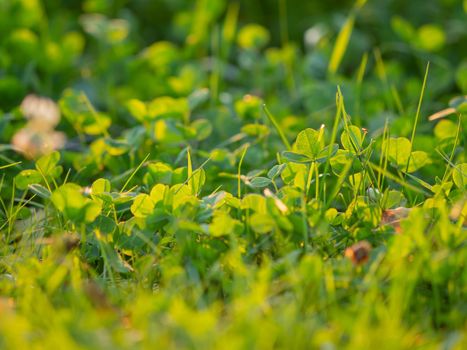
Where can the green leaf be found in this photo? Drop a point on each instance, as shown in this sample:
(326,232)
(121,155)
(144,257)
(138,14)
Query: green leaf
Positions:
(459,103)
(69,200)
(47,164)
(445,129)
(459,175)
(197,98)
(296,157)
(249,107)
(259,182)
(262,223)
(114,259)
(116,147)
(255,130)
(169,107)
(40,190)
(308,143)
(418,159)
(158,193)
(91,210)
(27,177)
(142,206)
(461,76)
(137,109)
(197,180)
(104,224)
(254,202)
(333,216)
(403,28)
(392,199)
(222,224)
(100,191)
(253,36)
(326,153)
(77,108)
(398,150)
(352,139)
(276,170)
(100,186)
(430,37)
(340,161)
(159,173)
(202,128)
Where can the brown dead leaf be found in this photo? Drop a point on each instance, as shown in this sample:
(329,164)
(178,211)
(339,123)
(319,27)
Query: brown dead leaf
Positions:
(441,114)
(459,211)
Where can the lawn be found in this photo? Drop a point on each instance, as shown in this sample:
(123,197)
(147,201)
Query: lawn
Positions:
(213,174)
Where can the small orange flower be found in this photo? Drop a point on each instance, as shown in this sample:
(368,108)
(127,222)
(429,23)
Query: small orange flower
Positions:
(359,253)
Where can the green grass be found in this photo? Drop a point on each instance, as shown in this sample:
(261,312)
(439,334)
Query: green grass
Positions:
(215,183)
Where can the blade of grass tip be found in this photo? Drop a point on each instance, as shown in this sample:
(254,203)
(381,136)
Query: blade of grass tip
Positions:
(189,164)
(339,102)
(107,264)
(10,209)
(45,179)
(277,127)
(421,182)
(215,78)
(314,168)
(229,28)
(67,176)
(359,81)
(8,160)
(453,151)
(347,123)
(2,202)
(193,172)
(341,44)
(450,163)
(180,156)
(340,181)
(134,173)
(308,178)
(1,199)
(362,69)
(417,115)
(397,100)
(381,72)
(343,38)
(396,179)
(239,171)
(200,26)
(215,191)
(353,140)
(22,203)
(384,153)
(9,165)
(304,223)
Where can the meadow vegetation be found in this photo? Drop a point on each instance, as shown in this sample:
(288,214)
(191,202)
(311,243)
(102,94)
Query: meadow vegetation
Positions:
(233,174)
